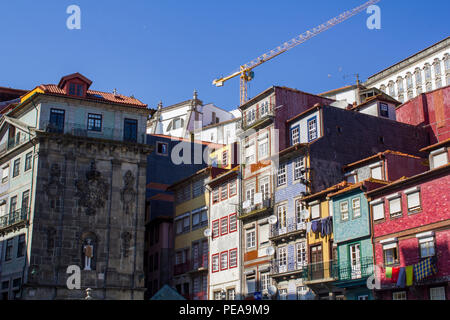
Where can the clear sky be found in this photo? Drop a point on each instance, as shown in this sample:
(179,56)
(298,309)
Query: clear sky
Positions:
(164,49)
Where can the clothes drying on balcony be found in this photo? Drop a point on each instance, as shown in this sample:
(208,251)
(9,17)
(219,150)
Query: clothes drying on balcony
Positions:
(323,226)
(401,282)
(425,268)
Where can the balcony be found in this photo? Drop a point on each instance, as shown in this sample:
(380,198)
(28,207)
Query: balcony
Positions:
(248,209)
(14,219)
(290,229)
(79,130)
(12,143)
(258,117)
(181,268)
(199,264)
(320,272)
(347,271)
(281,267)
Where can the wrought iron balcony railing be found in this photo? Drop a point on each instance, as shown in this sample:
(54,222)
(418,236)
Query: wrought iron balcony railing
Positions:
(292,225)
(265,204)
(279,266)
(262,112)
(320,271)
(13,218)
(347,271)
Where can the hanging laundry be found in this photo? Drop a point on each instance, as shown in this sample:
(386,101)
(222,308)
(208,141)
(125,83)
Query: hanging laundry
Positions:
(308,227)
(425,269)
(388,273)
(409,275)
(401,278)
(315,226)
(395,272)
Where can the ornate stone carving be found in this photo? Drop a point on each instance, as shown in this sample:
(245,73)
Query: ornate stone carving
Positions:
(93,191)
(128,194)
(53,188)
(126,238)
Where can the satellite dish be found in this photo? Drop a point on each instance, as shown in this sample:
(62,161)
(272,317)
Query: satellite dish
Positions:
(272,290)
(273,219)
(270,251)
(207,232)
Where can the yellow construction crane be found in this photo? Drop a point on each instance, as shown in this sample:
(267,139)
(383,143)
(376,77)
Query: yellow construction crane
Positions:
(246,71)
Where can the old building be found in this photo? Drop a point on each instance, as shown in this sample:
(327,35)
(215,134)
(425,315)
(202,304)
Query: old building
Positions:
(411,227)
(224,242)
(73,166)
(191,252)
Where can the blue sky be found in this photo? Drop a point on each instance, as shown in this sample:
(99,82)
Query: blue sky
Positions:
(163,50)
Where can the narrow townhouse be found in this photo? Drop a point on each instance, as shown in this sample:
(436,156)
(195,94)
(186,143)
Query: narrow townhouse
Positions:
(224,241)
(288,230)
(190,267)
(262,135)
(411,228)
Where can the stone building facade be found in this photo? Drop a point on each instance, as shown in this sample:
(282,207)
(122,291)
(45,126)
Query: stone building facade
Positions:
(84,161)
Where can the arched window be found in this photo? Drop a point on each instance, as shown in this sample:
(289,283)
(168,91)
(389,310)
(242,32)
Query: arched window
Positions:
(447,68)
(391,88)
(383,88)
(88,251)
(400,87)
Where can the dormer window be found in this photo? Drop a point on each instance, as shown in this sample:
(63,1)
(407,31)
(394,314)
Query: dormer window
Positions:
(76,89)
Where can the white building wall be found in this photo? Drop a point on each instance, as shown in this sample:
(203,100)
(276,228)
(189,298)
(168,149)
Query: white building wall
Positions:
(303,125)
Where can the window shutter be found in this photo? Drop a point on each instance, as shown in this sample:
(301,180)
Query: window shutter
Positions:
(378,211)
(413,200)
(440,160)
(315,211)
(394,205)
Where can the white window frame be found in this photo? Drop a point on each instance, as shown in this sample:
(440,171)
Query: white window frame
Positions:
(250,239)
(281,175)
(356,208)
(344,213)
(299,166)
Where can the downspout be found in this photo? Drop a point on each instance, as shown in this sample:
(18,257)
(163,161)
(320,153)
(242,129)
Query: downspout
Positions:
(31,198)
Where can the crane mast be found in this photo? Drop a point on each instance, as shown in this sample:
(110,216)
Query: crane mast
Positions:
(245,71)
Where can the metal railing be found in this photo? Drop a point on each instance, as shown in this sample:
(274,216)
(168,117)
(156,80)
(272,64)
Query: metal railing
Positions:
(181,268)
(80,130)
(325,270)
(13,218)
(200,262)
(259,114)
(265,204)
(282,266)
(355,270)
(291,226)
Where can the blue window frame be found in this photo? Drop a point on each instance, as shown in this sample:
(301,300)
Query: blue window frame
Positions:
(57,120)
(94,122)
(295,135)
(130,130)
(312,128)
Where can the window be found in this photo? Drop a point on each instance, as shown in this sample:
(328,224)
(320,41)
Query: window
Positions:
(231,294)
(179,226)
(130,130)
(79,90)
(9,248)
(409,82)
(399,295)
(204,218)
(312,129)
(251,239)
(250,153)
(299,209)
(224,158)
(344,210)
(378,211)
(217,295)
(224,192)
(233,188)
(13,204)
(418,74)
(283,294)
(224,260)
(28,158)
(301,292)
(233,258)
(251,284)
(437,68)
(196,220)
(25,201)
(233,222)
(299,168)
(94,122)
(3,209)
(315,211)
(301,254)
(56,124)
(263,148)
(224,226)
(185,226)
(162,148)
(356,206)
(251,116)
(264,188)
(72,88)
(282,216)
(197,189)
(437,293)
(439,158)
(282,258)
(281,177)
(215,229)
(215,194)
(264,280)
(215,262)
(5,174)
(400,85)
(264,108)
(250,194)
(390,253)
(295,135)
(395,207)
(427,247)
(413,200)
(16,168)
(391,88)
(427,71)
(376,172)
(384,110)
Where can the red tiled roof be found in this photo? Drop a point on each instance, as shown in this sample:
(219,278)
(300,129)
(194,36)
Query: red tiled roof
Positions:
(379,155)
(97,96)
